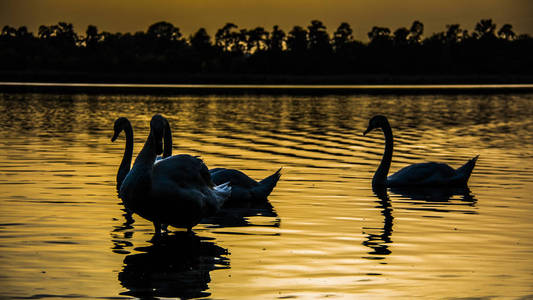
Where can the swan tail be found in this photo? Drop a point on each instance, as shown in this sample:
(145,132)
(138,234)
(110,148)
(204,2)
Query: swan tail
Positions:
(222,193)
(466,169)
(266,185)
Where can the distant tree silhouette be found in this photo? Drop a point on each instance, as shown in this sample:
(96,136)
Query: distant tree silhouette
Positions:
(8,31)
(226,38)
(485,29)
(92,37)
(303,50)
(257,39)
(343,37)
(297,41)
(201,41)
(506,32)
(319,42)
(400,37)
(416,32)
(164,31)
(276,41)
(379,35)
(454,34)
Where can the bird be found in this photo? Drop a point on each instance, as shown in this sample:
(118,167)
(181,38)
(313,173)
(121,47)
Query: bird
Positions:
(244,189)
(175,191)
(421,174)
(123,124)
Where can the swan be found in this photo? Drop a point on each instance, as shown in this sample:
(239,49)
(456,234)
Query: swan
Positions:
(177,190)
(422,174)
(123,124)
(243,188)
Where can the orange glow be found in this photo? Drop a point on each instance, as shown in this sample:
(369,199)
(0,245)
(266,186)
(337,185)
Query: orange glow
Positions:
(189,16)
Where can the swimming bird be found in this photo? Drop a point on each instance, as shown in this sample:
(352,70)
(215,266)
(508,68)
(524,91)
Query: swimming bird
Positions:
(422,174)
(177,190)
(243,188)
(123,124)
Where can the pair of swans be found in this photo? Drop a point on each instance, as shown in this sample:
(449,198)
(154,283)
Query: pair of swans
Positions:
(178,190)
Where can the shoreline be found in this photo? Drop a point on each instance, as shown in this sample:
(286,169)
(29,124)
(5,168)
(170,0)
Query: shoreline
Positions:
(159,83)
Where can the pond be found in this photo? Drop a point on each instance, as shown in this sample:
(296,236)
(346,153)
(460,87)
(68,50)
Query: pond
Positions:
(323,232)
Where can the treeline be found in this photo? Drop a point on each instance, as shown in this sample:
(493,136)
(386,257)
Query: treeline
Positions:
(309,50)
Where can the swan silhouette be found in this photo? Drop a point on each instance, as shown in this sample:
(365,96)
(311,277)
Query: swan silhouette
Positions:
(422,174)
(123,124)
(177,190)
(244,189)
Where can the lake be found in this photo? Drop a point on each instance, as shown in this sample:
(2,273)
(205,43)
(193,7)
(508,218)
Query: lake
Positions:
(324,232)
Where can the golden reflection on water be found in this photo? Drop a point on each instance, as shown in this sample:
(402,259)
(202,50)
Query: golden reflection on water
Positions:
(323,233)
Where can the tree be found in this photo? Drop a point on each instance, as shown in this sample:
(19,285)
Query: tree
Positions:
(275,43)
(164,31)
(400,36)
(415,33)
(378,35)
(297,41)
(92,37)
(257,39)
(8,31)
(342,37)
(226,38)
(201,41)
(506,32)
(318,38)
(454,34)
(485,29)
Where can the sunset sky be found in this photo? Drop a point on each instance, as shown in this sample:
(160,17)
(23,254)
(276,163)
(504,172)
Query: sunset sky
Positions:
(189,15)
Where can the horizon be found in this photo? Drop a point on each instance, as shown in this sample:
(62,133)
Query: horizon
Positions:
(211,15)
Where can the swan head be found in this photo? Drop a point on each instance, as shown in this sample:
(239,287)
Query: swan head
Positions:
(120,124)
(378,121)
(158,125)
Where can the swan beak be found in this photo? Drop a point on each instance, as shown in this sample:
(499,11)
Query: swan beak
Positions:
(115,136)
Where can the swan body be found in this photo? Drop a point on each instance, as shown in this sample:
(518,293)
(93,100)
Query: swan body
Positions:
(176,190)
(244,188)
(422,174)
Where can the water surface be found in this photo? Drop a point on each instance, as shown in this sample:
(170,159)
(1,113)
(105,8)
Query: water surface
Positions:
(323,233)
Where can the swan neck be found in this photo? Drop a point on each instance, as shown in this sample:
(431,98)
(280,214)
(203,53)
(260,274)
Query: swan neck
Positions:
(148,152)
(380,177)
(128,154)
(167,148)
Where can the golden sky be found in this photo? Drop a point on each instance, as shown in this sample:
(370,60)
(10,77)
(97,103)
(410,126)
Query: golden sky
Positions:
(189,15)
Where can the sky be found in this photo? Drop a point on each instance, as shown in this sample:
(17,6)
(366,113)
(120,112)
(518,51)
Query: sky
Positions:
(190,15)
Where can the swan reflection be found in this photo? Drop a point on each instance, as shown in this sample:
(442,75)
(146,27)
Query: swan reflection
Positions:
(436,199)
(378,239)
(239,214)
(177,265)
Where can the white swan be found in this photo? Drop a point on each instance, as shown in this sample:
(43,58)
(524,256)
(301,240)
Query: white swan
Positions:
(243,188)
(123,124)
(176,191)
(423,174)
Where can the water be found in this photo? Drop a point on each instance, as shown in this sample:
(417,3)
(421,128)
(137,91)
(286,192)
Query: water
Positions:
(324,232)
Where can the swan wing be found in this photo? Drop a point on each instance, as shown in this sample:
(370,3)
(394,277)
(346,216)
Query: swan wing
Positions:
(183,169)
(235,177)
(422,174)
